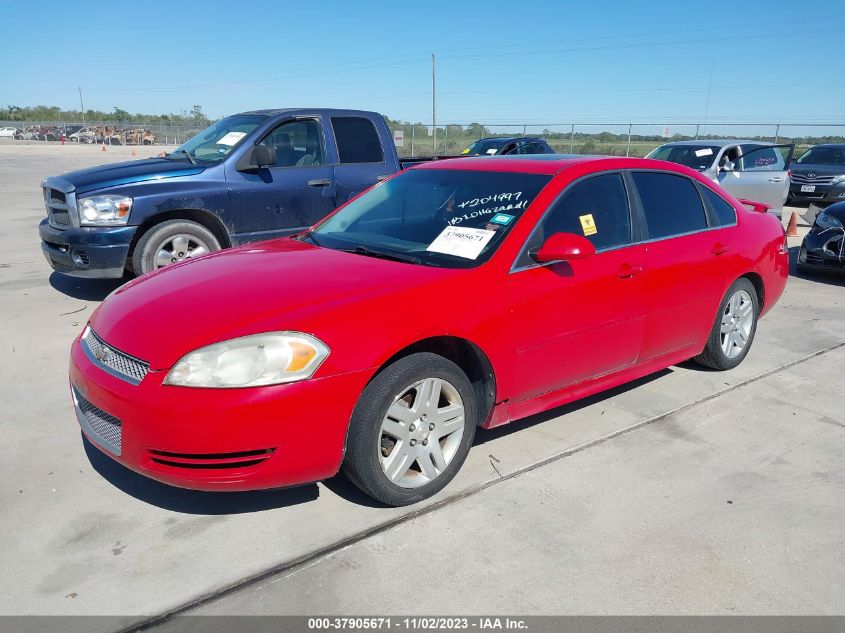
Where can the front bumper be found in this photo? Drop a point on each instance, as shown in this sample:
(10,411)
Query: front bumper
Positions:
(825,194)
(823,250)
(99,252)
(217,439)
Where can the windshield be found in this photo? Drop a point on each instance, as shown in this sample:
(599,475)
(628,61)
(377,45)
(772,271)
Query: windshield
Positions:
(434,217)
(486,146)
(215,142)
(823,156)
(698,157)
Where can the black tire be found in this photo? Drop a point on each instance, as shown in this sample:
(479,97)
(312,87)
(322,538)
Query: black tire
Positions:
(364,440)
(147,248)
(713,355)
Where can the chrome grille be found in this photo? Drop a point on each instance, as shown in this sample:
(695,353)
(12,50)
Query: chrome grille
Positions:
(114,361)
(804,179)
(60,202)
(106,429)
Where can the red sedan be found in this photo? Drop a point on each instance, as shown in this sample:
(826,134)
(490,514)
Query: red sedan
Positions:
(457,294)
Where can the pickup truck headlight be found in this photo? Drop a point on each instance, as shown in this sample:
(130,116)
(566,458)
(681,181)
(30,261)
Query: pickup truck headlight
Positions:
(251,361)
(104,210)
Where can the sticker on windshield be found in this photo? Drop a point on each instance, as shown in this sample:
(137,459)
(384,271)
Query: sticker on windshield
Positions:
(461,241)
(465,151)
(491,151)
(706,151)
(501,218)
(588,224)
(231,138)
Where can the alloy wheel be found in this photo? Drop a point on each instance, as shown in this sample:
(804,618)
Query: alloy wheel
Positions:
(737,321)
(421,432)
(178,247)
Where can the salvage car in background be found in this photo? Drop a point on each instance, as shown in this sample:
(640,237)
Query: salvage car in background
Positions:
(823,248)
(752,170)
(9,132)
(508,145)
(818,176)
(460,293)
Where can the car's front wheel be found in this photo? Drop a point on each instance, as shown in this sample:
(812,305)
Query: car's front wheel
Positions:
(411,429)
(170,242)
(733,332)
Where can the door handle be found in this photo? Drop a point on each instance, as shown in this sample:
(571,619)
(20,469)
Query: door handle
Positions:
(776,179)
(627,271)
(319,182)
(720,249)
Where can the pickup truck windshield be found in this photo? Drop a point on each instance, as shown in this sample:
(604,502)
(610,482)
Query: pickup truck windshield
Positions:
(435,217)
(215,142)
(698,157)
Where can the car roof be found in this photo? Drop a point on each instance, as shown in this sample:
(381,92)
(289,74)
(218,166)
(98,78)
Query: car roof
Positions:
(829,145)
(295,111)
(719,142)
(510,138)
(546,163)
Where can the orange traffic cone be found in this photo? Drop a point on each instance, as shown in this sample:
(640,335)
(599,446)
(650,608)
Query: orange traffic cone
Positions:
(103,148)
(792,227)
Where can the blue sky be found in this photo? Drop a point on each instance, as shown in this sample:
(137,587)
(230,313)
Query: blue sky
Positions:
(533,62)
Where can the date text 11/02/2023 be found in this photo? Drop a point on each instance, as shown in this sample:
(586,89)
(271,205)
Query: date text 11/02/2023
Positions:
(418,623)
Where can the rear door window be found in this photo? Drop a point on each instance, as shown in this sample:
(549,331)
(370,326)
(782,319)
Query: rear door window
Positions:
(357,140)
(671,204)
(763,158)
(725,212)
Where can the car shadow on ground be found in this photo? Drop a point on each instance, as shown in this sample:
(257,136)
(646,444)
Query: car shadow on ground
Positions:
(832,277)
(194,501)
(85,289)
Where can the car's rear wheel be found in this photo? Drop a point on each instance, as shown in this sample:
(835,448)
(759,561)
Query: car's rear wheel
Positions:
(411,430)
(733,332)
(170,242)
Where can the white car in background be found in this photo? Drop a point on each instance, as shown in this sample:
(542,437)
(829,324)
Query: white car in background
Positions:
(754,170)
(9,132)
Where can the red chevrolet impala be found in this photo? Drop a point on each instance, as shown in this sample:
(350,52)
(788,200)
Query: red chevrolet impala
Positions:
(457,294)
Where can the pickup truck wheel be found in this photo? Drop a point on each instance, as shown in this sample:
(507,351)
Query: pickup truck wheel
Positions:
(733,332)
(170,242)
(411,430)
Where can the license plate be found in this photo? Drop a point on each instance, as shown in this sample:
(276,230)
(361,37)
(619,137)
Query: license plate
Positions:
(808,188)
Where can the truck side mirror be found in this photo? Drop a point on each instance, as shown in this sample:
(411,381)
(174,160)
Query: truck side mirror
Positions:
(263,156)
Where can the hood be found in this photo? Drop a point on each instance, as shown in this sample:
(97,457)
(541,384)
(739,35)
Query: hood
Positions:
(819,170)
(277,285)
(116,174)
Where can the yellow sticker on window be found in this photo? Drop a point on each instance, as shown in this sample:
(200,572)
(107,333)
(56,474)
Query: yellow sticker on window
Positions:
(465,151)
(588,225)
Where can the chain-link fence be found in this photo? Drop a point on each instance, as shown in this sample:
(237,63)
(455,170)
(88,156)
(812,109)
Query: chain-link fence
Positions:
(620,139)
(614,139)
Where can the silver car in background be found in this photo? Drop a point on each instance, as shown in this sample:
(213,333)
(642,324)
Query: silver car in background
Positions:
(754,170)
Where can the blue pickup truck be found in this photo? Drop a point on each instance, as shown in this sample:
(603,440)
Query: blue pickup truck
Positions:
(251,176)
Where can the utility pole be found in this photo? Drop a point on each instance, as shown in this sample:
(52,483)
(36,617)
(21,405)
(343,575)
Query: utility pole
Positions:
(81,107)
(433,107)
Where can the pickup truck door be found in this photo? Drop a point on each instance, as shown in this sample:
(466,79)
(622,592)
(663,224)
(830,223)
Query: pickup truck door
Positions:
(760,174)
(294,194)
(362,158)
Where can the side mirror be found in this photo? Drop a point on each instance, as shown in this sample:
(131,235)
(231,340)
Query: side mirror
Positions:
(263,156)
(564,247)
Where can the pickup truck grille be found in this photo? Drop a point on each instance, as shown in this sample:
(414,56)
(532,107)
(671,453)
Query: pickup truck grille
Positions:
(61,206)
(804,179)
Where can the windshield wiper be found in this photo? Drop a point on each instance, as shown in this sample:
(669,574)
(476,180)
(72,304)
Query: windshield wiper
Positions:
(308,235)
(396,257)
(182,151)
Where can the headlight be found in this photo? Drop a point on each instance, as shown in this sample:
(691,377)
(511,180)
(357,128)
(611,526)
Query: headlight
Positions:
(104,210)
(838,179)
(827,221)
(261,359)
